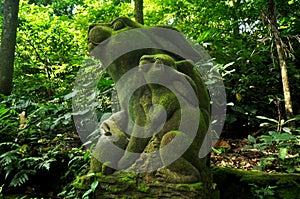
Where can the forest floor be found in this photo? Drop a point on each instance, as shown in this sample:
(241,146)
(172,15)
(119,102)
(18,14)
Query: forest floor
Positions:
(229,153)
(233,155)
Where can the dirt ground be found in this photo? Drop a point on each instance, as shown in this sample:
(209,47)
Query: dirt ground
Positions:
(233,155)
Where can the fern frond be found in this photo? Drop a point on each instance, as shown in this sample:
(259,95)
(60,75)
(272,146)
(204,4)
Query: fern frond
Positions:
(12,144)
(30,161)
(45,164)
(9,157)
(20,178)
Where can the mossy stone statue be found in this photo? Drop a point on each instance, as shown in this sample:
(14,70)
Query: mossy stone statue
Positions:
(153,104)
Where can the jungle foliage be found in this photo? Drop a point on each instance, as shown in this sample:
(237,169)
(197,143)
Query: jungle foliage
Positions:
(36,129)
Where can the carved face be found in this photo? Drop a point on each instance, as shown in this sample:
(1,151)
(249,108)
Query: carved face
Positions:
(99,32)
(154,66)
(109,130)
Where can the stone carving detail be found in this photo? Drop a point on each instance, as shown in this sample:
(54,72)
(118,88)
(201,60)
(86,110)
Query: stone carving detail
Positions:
(144,130)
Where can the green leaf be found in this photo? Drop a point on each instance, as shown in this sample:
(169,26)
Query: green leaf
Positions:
(252,139)
(94,185)
(266,118)
(217,151)
(90,174)
(227,65)
(274,133)
(260,146)
(283,152)
(20,178)
(86,155)
(266,139)
(264,124)
(46,164)
(247,147)
(2,113)
(293,119)
(86,194)
(286,129)
(283,137)
(291,169)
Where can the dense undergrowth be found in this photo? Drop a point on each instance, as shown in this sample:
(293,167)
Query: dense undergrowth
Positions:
(40,150)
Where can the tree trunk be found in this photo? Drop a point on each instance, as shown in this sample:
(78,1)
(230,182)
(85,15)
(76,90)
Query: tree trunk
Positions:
(8,43)
(138,11)
(273,26)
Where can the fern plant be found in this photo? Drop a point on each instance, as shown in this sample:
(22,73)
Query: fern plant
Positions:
(17,167)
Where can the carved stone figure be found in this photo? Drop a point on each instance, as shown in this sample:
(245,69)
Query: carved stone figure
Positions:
(151,121)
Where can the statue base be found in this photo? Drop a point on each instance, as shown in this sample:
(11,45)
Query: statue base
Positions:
(132,185)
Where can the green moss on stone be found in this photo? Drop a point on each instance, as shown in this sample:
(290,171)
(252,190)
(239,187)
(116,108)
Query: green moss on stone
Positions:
(194,186)
(229,180)
(143,188)
(129,178)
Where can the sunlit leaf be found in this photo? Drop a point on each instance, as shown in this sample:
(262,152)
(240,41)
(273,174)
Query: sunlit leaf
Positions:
(238,96)
(266,118)
(94,185)
(283,152)
(286,129)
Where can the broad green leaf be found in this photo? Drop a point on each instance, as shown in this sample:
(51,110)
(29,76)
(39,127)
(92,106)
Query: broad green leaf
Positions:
(274,133)
(266,139)
(286,129)
(251,139)
(283,137)
(283,152)
(94,185)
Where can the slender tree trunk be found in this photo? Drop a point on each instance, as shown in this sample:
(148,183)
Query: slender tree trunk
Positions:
(138,11)
(8,43)
(270,17)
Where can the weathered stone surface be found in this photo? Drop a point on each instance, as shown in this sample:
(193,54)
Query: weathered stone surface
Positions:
(233,183)
(153,106)
(126,185)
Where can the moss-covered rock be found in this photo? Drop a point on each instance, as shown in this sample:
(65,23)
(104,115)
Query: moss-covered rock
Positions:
(228,184)
(128,185)
(234,183)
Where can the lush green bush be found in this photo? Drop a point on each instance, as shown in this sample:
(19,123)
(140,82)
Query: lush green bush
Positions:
(36,139)
(36,127)
(281,147)
(234,33)
(49,52)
